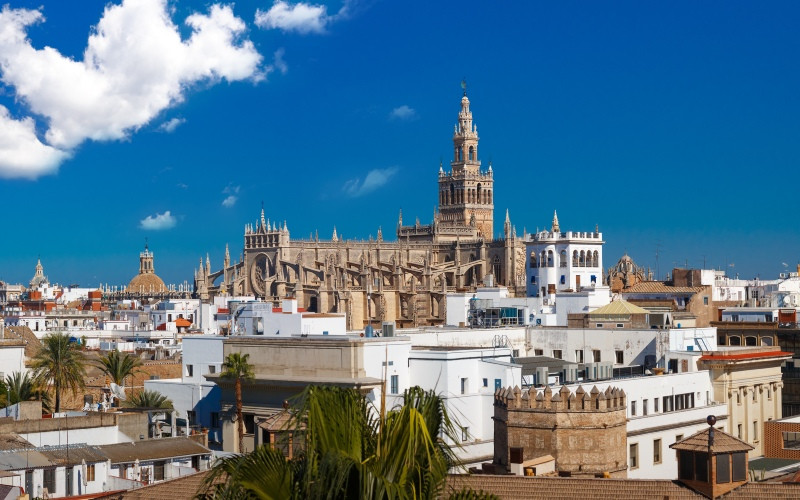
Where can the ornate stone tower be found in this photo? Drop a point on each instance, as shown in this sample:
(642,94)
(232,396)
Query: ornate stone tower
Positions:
(466,193)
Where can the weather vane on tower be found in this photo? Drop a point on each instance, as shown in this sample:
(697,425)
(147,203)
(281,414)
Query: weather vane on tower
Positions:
(464,85)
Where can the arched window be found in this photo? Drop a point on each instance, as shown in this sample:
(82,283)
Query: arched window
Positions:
(461,153)
(480,200)
(452,198)
(595,259)
(490,197)
(582,261)
(543,259)
(533,260)
(563,262)
(471,153)
(574,258)
(549,258)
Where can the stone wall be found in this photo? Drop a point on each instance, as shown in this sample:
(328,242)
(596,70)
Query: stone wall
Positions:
(584,431)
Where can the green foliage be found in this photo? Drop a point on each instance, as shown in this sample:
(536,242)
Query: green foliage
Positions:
(119,365)
(236,366)
(148,399)
(21,387)
(61,364)
(350,452)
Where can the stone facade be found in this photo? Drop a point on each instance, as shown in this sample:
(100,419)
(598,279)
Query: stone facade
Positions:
(375,280)
(584,431)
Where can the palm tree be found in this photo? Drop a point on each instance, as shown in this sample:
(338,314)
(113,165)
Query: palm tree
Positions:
(149,399)
(237,368)
(119,365)
(59,363)
(350,452)
(21,387)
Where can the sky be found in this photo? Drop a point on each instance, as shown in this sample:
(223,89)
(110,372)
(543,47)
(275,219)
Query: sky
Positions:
(671,126)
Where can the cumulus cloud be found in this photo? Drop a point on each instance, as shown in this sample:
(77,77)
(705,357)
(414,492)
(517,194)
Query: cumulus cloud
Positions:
(302,17)
(171,125)
(22,154)
(278,62)
(135,66)
(375,178)
(158,222)
(403,112)
(232,198)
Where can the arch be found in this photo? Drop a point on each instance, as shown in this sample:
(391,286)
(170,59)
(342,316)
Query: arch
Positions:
(496,267)
(574,258)
(471,153)
(735,340)
(750,341)
(582,260)
(489,193)
(461,153)
(543,259)
(533,260)
(549,258)
(595,259)
(563,259)
(480,195)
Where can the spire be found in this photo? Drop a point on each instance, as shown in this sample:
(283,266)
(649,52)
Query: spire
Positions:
(227,256)
(400,218)
(441,169)
(380,234)
(555,228)
(263,222)
(507,225)
(208,264)
(334,238)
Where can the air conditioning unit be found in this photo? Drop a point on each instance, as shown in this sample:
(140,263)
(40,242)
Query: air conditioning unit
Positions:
(570,374)
(388,328)
(540,376)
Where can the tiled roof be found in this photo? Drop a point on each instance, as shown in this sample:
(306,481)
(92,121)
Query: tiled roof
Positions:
(661,287)
(567,488)
(723,443)
(152,449)
(558,488)
(73,455)
(618,308)
(23,332)
(723,356)
(13,442)
(175,489)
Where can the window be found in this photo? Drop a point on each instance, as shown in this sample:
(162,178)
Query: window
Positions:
(656,451)
(620,360)
(465,434)
(249,423)
(189,371)
(598,325)
(634,456)
(633,408)
(212,369)
(739,431)
(655,405)
(596,355)
(538,352)
(191,416)
(394,385)
(579,356)
(498,383)
(557,353)
(755,430)
(678,437)
(723,469)
(705,301)
(49,482)
(563,279)
(215,419)
(620,325)
(90,472)
(486,382)
(464,387)
(667,406)
(158,471)
(644,407)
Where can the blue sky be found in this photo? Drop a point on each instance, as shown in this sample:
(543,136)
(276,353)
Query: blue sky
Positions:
(671,126)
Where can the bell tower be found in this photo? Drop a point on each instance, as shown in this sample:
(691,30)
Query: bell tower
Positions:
(466,193)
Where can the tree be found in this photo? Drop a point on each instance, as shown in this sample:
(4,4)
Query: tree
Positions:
(350,452)
(237,368)
(149,399)
(20,386)
(59,363)
(119,365)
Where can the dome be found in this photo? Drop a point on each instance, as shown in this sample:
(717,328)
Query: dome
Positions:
(147,283)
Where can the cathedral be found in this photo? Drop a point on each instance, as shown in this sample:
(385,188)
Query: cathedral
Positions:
(372,281)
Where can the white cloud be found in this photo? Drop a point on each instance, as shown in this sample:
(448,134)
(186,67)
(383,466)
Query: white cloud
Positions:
(375,178)
(302,17)
(278,62)
(22,154)
(170,126)
(158,221)
(135,66)
(403,112)
(232,198)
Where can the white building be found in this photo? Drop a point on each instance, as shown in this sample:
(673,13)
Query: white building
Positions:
(559,261)
(261,318)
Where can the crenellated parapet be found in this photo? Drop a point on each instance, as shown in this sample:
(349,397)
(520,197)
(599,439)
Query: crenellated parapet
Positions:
(612,399)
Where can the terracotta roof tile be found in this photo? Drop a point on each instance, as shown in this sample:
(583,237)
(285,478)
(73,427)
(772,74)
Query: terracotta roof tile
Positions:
(661,287)
(723,443)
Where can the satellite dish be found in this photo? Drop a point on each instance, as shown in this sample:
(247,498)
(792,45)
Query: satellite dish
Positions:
(118,391)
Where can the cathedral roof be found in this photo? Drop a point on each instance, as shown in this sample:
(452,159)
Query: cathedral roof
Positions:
(147,283)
